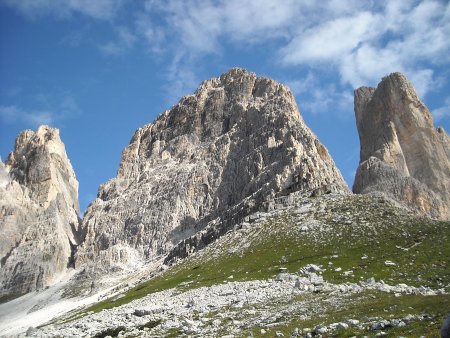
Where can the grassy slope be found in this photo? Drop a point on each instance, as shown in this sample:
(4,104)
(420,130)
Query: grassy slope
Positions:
(350,227)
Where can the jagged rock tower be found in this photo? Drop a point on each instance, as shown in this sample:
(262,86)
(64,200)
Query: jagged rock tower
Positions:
(236,142)
(39,224)
(402,154)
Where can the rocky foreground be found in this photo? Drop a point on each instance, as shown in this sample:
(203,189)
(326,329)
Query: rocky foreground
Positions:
(236,308)
(306,268)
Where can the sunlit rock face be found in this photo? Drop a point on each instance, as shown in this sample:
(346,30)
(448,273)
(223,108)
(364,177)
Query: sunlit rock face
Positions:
(402,154)
(239,140)
(39,224)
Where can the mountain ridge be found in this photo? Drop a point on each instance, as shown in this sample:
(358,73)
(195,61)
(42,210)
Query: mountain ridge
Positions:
(232,163)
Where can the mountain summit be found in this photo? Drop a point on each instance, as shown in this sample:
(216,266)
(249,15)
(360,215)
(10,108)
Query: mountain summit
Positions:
(402,154)
(38,211)
(218,155)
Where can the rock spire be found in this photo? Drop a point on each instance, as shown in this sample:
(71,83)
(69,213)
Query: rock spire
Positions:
(39,224)
(402,154)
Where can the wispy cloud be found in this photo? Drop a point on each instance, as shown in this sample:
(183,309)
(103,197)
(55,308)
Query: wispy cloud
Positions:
(98,9)
(12,114)
(152,34)
(317,97)
(443,111)
(125,41)
(365,45)
(197,26)
(360,41)
(181,78)
(50,111)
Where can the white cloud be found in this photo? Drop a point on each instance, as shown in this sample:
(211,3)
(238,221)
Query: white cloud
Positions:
(189,30)
(258,20)
(125,41)
(361,41)
(153,34)
(300,86)
(11,114)
(181,78)
(51,110)
(442,112)
(316,97)
(330,40)
(98,9)
(366,46)
(198,25)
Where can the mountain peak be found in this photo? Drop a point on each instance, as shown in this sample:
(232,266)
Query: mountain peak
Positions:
(402,154)
(39,211)
(234,144)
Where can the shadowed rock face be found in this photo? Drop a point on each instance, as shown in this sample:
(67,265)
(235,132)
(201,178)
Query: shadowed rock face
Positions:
(402,154)
(38,212)
(238,140)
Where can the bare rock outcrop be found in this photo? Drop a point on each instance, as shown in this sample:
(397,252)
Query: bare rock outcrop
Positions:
(39,224)
(402,154)
(238,141)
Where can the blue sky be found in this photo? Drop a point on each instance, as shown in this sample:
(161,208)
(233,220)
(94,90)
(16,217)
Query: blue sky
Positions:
(98,70)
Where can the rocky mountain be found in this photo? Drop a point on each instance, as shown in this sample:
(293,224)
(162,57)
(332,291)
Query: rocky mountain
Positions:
(218,155)
(39,227)
(233,170)
(402,154)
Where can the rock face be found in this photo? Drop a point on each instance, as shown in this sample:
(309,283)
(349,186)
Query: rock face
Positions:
(236,142)
(39,224)
(402,154)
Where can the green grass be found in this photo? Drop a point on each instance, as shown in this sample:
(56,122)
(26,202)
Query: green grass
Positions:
(150,324)
(375,304)
(353,226)
(111,332)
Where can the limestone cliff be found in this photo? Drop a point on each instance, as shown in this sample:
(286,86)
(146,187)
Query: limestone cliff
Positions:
(39,225)
(239,140)
(402,154)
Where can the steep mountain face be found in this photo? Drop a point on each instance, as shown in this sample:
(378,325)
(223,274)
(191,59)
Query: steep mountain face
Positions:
(237,142)
(39,226)
(402,154)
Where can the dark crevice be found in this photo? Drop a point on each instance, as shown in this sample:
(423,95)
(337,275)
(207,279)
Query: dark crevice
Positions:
(79,235)
(73,251)
(5,258)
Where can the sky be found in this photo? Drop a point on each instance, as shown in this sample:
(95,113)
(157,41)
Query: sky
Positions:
(100,69)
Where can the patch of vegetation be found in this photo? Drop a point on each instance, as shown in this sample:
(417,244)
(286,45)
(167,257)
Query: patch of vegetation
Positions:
(46,256)
(150,324)
(356,233)
(375,304)
(112,332)
(173,333)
